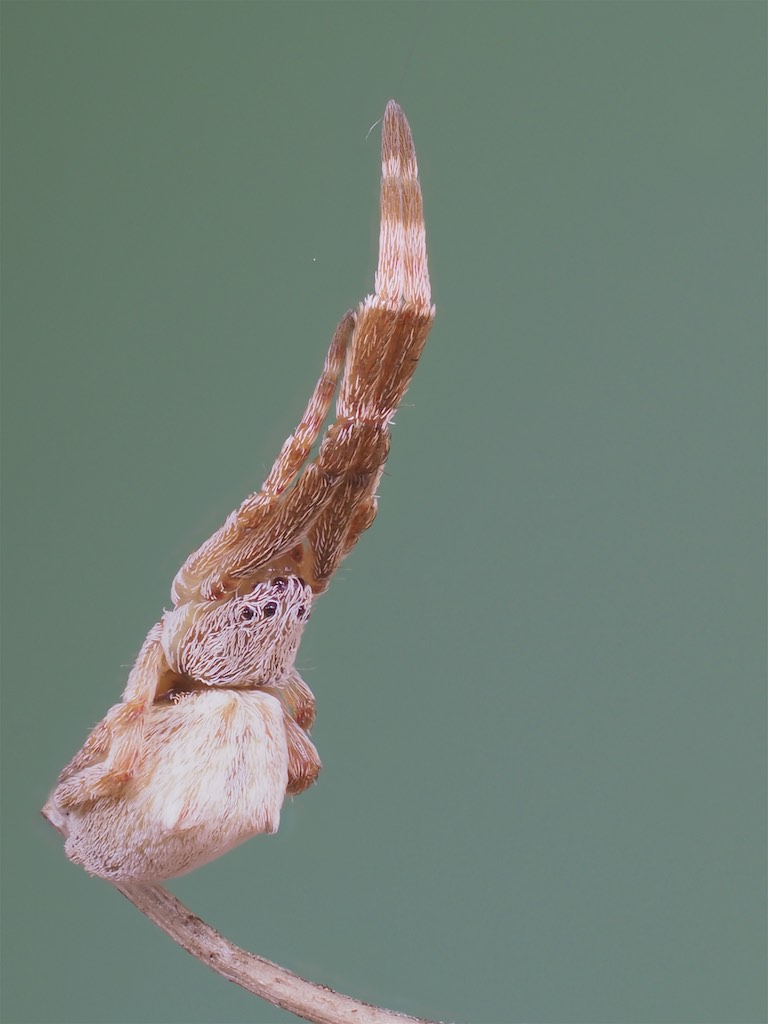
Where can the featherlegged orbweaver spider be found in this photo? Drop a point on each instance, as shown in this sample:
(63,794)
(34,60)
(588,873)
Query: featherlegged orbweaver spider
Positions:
(213,728)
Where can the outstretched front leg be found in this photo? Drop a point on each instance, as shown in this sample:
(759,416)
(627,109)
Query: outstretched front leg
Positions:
(266,522)
(391,327)
(308,527)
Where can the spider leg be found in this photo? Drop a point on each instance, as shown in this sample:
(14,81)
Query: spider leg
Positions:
(298,703)
(304,762)
(335,532)
(333,500)
(297,698)
(109,756)
(261,517)
(391,328)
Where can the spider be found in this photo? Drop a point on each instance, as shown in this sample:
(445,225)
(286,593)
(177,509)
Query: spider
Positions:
(213,727)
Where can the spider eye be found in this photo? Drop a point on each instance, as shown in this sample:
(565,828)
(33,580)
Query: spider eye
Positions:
(279,583)
(247,613)
(269,609)
(301,611)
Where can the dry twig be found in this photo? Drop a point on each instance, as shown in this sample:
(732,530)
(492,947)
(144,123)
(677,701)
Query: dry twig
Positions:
(277,985)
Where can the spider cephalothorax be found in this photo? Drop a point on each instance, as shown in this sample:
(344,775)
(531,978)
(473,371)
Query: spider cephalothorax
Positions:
(244,640)
(212,729)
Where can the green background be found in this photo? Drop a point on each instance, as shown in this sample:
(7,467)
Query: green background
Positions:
(540,677)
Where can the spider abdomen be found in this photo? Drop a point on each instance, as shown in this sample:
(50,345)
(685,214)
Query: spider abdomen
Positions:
(213,773)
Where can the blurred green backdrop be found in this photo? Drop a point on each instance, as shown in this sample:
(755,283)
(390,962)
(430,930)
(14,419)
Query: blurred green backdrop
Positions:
(540,678)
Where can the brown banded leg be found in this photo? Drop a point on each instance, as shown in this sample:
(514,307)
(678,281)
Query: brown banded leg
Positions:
(391,328)
(402,272)
(332,538)
(253,531)
(336,490)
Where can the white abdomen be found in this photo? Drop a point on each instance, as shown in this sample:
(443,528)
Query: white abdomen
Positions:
(213,772)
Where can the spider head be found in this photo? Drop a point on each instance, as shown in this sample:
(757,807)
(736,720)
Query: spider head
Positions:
(248,639)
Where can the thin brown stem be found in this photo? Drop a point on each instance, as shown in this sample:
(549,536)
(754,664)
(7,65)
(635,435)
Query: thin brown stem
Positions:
(277,985)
